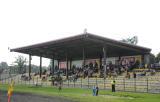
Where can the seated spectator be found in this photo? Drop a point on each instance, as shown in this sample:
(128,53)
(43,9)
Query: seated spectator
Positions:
(134,75)
(127,75)
(152,72)
(143,74)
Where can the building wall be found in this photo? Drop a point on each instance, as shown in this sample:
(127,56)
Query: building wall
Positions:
(124,61)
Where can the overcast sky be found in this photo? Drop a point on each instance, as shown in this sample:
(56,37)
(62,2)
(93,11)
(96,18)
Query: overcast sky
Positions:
(25,22)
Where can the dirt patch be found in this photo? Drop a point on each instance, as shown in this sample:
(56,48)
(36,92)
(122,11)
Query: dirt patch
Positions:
(26,97)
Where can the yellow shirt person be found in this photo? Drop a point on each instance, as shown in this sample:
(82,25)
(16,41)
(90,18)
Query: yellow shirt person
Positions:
(113,82)
(10,89)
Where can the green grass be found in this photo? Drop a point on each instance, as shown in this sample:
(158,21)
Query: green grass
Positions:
(85,95)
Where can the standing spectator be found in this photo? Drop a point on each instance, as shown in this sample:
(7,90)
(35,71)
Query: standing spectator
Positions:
(95,66)
(94,90)
(127,75)
(145,65)
(91,65)
(97,90)
(113,82)
(59,87)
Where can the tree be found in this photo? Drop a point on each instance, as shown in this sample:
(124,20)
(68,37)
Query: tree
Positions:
(3,65)
(158,57)
(152,58)
(21,64)
(133,40)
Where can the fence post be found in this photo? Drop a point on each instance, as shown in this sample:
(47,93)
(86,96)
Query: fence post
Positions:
(41,81)
(104,82)
(18,80)
(147,84)
(61,83)
(8,80)
(46,82)
(96,81)
(0,78)
(25,82)
(124,84)
(81,82)
(21,81)
(135,84)
(2,81)
(68,83)
(29,80)
(88,81)
(37,81)
(74,83)
(5,80)
(33,81)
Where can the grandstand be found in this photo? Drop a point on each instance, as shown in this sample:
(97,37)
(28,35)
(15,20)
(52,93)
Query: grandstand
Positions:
(96,62)
(92,54)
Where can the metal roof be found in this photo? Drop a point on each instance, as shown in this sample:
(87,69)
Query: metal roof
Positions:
(73,48)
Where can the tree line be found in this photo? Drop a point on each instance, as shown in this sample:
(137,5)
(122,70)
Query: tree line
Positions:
(20,66)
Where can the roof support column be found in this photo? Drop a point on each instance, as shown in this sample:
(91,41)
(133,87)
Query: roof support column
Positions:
(52,66)
(66,66)
(70,64)
(83,63)
(142,62)
(40,67)
(58,64)
(119,61)
(100,64)
(30,58)
(104,61)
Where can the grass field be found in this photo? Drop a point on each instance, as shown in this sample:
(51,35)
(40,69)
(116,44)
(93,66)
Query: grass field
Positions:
(85,95)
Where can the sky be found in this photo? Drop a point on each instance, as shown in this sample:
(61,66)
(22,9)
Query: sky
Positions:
(26,22)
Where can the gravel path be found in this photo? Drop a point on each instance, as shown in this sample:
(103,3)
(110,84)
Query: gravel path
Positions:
(26,97)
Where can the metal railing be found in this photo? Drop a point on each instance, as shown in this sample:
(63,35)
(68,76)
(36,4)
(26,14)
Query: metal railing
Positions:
(143,84)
